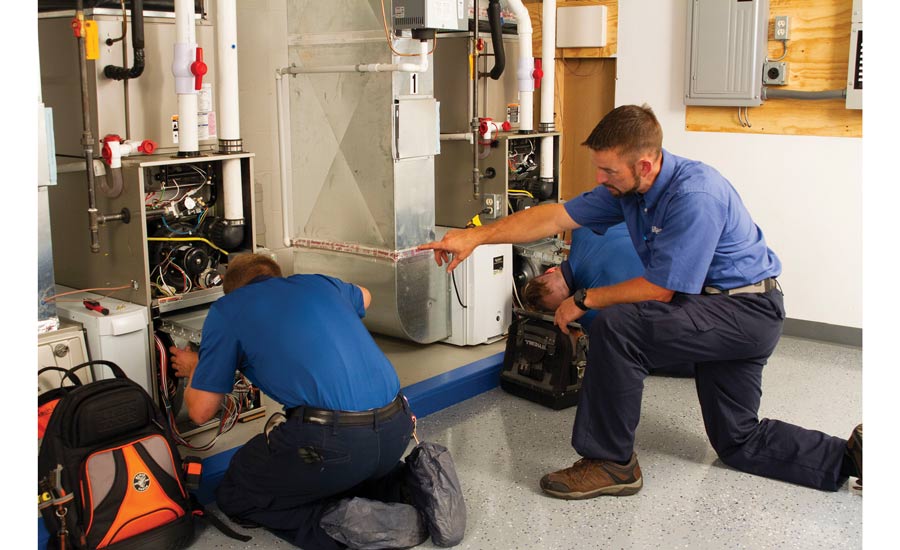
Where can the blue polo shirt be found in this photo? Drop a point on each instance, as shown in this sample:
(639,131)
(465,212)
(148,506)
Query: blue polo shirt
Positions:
(690,229)
(301,340)
(600,260)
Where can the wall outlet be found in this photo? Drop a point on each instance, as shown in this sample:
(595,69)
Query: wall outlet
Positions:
(782,27)
(775,73)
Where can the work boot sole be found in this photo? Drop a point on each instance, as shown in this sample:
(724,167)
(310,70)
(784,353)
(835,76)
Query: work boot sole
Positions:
(620,490)
(855,447)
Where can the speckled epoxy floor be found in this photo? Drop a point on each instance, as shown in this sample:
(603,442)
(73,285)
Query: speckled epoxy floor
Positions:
(502,445)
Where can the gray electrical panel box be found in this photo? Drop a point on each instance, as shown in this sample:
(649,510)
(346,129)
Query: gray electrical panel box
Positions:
(448,15)
(726,48)
(855,67)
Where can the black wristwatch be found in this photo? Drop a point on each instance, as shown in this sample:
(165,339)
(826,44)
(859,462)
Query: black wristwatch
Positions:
(579,298)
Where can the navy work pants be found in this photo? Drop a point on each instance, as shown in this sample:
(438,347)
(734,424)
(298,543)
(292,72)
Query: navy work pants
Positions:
(286,483)
(729,339)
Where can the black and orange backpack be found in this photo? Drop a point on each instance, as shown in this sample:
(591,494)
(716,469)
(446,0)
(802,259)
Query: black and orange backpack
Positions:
(109,472)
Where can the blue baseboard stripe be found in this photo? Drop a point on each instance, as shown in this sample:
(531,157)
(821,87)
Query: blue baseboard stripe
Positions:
(450,388)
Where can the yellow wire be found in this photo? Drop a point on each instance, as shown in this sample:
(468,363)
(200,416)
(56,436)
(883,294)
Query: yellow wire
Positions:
(201,239)
(520,191)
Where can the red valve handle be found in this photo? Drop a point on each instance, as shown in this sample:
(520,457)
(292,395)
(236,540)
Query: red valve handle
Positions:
(147,147)
(538,73)
(198,69)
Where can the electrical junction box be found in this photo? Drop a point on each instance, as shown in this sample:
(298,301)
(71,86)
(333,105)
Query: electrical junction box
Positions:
(726,49)
(482,283)
(448,15)
(775,73)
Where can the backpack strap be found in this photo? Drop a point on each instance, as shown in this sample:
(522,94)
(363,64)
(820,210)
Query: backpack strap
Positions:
(116,370)
(201,512)
(75,380)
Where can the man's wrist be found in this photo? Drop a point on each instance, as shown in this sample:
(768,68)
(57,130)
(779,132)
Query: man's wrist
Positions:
(579,298)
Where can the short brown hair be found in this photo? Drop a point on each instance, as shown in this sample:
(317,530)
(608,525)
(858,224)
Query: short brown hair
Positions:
(630,129)
(246,267)
(534,293)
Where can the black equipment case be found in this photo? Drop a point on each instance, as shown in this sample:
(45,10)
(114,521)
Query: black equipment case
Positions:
(540,362)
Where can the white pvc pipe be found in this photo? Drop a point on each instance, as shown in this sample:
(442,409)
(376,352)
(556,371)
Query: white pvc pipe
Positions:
(548,92)
(188,136)
(284,158)
(229,109)
(229,124)
(185,53)
(420,67)
(525,66)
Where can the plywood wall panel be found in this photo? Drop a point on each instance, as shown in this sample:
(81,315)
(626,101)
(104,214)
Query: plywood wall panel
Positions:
(818,54)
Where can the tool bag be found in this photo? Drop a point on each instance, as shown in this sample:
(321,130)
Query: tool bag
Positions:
(540,362)
(109,473)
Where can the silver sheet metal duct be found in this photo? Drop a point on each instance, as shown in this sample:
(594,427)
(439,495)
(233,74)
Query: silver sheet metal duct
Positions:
(362,146)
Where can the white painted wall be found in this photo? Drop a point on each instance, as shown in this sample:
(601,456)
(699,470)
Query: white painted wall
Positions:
(804,192)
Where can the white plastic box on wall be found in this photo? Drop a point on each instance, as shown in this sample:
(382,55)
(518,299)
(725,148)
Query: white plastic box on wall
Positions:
(581,27)
(121,337)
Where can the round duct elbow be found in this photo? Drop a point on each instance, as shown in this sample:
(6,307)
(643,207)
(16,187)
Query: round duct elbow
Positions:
(227,234)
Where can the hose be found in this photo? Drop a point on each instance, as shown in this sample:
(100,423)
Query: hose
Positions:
(496,39)
(797,94)
(137,43)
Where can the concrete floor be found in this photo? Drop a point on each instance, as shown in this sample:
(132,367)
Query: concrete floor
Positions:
(502,445)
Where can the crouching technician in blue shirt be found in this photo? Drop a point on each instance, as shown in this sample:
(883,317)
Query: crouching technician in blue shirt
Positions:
(707,296)
(594,260)
(301,340)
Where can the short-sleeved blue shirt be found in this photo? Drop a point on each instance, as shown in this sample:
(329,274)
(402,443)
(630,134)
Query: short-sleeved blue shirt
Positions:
(600,260)
(301,340)
(690,230)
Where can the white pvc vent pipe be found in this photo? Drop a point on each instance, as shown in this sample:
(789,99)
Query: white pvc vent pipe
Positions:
(229,110)
(525,66)
(548,85)
(185,53)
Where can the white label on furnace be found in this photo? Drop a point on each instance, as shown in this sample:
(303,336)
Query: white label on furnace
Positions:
(205,98)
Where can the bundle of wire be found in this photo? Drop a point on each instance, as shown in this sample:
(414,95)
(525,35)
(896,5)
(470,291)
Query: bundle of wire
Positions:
(229,416)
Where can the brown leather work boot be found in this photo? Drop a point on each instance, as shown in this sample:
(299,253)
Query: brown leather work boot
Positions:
(589,478)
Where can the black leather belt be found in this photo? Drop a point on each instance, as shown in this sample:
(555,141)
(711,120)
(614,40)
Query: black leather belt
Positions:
(756,288)
(312,415)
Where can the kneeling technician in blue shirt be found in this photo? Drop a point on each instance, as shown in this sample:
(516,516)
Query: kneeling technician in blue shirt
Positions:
(301,340)
(707,296)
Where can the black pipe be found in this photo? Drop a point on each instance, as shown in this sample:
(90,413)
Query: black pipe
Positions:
(137,44)
(496,39)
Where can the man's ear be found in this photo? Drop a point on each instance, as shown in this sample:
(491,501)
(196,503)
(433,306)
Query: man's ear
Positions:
(644,166)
